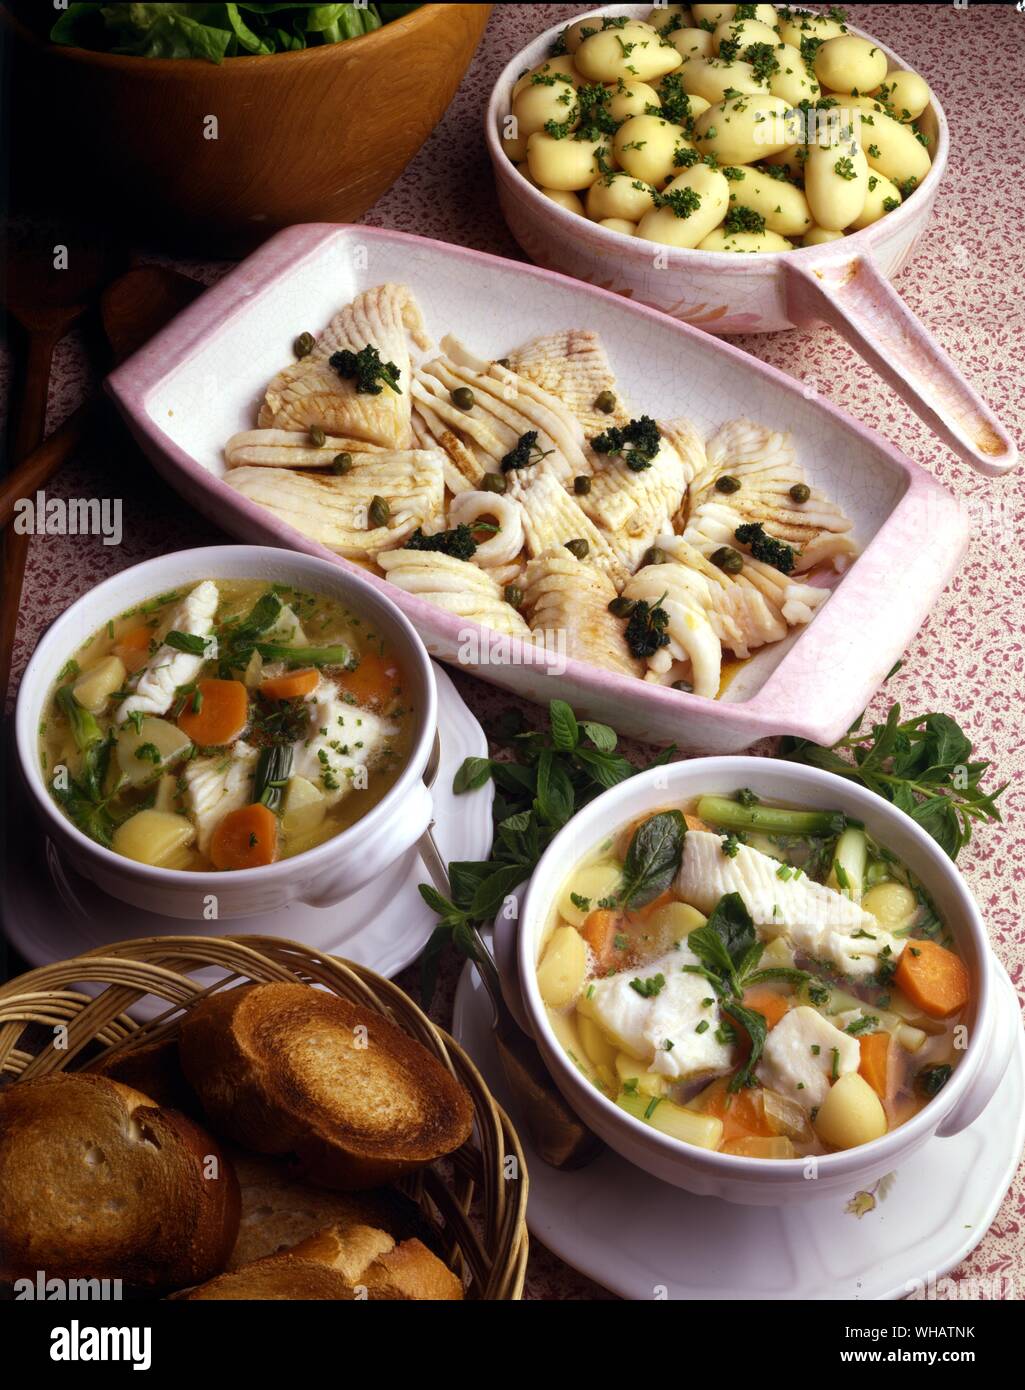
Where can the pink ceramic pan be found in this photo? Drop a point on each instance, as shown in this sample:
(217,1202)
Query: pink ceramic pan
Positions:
(844,283)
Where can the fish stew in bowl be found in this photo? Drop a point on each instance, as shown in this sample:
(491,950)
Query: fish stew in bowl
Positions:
(225,725)
(754,978)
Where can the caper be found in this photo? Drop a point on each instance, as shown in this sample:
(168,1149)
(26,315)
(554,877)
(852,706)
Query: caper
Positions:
(513,595)
(727,559)
(494,482)
(655,555)
(304,344)
(800,492)
(622,607)
(727,483)
(341,463)
(317,437)
(685,686)
(463,397)
(606,402)
(379,512)
(579,548)
(582,485)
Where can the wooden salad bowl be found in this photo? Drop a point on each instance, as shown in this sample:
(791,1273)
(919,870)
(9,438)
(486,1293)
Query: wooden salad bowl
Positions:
(311,136)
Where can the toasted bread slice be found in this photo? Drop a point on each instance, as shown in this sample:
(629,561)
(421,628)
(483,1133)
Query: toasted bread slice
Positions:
(279,1210)
(339,1262)
(285,1069)
(155,1070)
(98,1182)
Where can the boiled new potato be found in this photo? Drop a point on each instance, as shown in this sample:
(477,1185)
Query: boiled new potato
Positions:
(792,159)
(692,43)
(742,129)
(144,753)
(793,82)
(819,236)
(97,683)
(744,32)
(809,26)
(154,837)
(560,976)
(751,242)
(550,68)
(850,64)
(677,920)
(565,165)
(587,888)
(711,78)
(645,147)
(537,104)
(906,92)
(600,1051)
(619,224)
(893,905)
(715,14)
(620,196)
(699,198)
(784,207)
(564,1026)
(851,1113)
(515,148)
(570,201)
(890,147)
(304,807)
(632,99)
(836,183)
(882,197)
(633,52)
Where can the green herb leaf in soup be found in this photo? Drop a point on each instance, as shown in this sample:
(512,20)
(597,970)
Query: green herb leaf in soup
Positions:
(653,859)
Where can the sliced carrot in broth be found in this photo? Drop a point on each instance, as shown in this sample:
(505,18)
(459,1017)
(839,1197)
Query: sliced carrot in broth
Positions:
(245,839)
(132,647)
(875,1065)
(768,1002)
(599,931)
(933,978)
(293,685)
(375,680)
(222,714)
(740,1111)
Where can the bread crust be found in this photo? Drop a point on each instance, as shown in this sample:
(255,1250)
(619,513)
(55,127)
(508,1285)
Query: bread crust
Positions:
(97,1181)
(283,1069)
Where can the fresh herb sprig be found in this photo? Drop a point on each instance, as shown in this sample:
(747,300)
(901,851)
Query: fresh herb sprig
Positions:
(554,773)
(922,765)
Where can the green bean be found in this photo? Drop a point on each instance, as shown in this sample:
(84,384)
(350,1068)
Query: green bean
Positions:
(776,820)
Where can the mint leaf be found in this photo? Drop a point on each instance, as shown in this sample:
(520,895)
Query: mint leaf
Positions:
(653,859)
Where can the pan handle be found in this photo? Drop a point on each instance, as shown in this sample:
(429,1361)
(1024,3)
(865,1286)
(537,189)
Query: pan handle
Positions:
(851,295)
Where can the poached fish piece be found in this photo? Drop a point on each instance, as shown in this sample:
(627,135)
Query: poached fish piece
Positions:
(692,638)
(288,449)
(567,596)
(572,365)
(458,586)
(632,507)
(167,669)
(216,786)
(313,393)
(337,509)
(551,517)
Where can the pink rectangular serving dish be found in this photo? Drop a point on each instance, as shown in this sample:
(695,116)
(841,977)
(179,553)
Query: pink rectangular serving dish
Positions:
(202,378)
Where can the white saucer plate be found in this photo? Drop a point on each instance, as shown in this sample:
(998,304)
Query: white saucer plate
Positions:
(643,1239)
(51,913)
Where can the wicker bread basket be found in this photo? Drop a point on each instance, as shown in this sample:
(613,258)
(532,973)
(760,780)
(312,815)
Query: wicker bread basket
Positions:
(475,1200)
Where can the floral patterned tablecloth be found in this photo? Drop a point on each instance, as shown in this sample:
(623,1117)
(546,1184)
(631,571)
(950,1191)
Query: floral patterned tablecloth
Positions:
(965,283)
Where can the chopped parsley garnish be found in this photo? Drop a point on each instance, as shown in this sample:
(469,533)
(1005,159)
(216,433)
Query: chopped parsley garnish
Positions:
(578,901)
(367,368)
(730,846)
(646,629)
(526,451)
(458,542)
(648,988)
(638,442)
(765,547)
(742,219)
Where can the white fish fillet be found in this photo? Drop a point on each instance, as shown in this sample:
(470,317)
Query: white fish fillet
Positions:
(763,461)
(572,365)
(288,449)
(684,437)
(631,508)
(570,597)
(343,738)
(334,509)
(818,920)
(167,669)
(551,517)
(790,1066)
(684,596)
(457,586)
(214,787)
(463,469)
(311,392)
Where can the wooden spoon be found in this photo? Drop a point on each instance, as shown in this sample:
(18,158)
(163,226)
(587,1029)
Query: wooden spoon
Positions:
(133,308)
